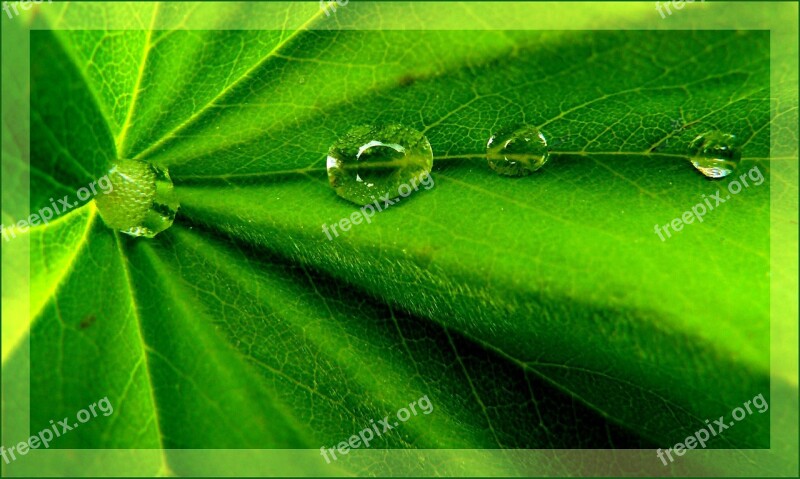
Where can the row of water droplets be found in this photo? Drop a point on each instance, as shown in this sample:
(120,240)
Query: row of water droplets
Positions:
(373,162)
(369,163)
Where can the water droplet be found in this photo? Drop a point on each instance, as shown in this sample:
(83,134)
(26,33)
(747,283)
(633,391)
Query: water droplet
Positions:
(714,154)
(373,162)
(517,152)
(140,202)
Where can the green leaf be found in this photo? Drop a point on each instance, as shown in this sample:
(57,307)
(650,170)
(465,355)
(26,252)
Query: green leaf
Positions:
(549,266)
(540,313)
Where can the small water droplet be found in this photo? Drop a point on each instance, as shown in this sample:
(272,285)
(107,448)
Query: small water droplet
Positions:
(517,152)
(373,162)
(140,202)
(714,154)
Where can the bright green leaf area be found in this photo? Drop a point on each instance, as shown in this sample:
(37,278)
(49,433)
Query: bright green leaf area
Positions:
(535,312)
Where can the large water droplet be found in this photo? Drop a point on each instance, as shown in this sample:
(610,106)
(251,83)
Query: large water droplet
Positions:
(373,162)
(141,200)
(714,154)
(517,152)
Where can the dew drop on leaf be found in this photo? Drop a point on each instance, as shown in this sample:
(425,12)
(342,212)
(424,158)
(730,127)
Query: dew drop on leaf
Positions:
(518,151)
(372,162)
(714,154)
(140,200)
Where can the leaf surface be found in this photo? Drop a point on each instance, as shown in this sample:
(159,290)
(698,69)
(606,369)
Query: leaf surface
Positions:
(541,312)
